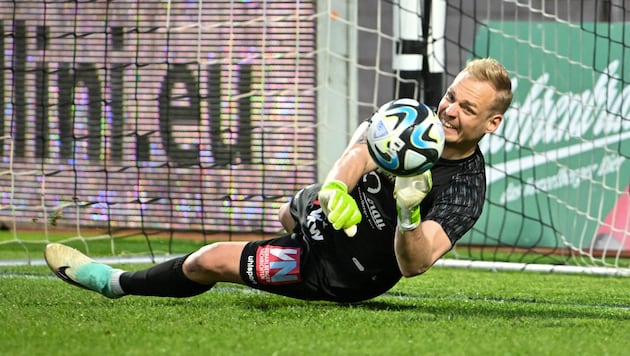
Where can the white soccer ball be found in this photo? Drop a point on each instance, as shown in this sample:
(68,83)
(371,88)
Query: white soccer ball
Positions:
(405,137)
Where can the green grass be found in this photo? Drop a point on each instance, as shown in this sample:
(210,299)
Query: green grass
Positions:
(444,312)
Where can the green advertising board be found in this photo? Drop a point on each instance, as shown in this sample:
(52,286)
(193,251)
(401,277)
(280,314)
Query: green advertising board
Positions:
(558,166)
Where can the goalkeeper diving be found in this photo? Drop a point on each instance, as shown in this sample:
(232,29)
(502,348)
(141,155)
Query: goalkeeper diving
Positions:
(350,238)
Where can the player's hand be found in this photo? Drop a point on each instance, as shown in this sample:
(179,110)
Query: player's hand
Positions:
(409,193)
(340,208)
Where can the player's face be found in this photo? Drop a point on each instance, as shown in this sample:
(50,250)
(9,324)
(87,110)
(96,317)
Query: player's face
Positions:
(465,112)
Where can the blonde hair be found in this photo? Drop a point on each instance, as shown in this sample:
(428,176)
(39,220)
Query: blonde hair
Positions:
(490,70)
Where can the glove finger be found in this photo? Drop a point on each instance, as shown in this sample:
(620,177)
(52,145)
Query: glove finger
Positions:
(324,200)
(349,217)
(356,217)
(340,218)
(333,212)
(339,215)
(351,231)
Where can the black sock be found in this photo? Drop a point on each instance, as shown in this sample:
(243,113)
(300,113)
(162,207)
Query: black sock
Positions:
(166,279)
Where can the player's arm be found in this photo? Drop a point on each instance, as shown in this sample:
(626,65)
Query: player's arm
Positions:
(417,244)
(354,162)
(340,208)
(418,249)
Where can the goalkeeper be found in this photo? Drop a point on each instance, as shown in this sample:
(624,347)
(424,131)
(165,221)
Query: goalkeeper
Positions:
(351,238)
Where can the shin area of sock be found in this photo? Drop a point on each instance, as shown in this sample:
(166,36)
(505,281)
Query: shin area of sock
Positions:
(166,279)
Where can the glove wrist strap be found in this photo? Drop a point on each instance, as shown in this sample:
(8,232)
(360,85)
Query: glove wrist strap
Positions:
(336,185)
(408,219)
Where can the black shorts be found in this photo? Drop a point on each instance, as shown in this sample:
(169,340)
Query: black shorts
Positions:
(314,266)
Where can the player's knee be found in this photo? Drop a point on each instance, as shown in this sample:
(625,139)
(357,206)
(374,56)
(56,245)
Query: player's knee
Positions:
(206,263)
(284,215)
(218,262)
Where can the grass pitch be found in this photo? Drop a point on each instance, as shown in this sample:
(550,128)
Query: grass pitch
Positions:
(444,312)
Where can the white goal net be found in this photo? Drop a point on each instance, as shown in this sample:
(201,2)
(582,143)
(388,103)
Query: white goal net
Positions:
(148,121)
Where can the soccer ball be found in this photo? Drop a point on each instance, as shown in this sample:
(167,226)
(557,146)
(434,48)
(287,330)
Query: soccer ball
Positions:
(405,137)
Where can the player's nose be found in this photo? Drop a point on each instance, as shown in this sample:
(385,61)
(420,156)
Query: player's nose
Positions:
(452,109)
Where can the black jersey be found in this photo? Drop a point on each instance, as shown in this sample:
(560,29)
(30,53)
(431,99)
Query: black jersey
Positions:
(317,262)
(455,201)
(458,194)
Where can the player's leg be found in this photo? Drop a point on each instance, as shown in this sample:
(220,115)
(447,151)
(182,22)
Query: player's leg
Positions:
(179,277)
(188,275)
(284,215)
(218,262)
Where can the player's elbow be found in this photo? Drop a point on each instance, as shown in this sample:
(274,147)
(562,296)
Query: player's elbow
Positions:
(412,271)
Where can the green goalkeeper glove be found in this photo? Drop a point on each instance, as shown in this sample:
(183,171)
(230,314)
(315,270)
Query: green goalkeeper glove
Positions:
(409,193)
(340,208)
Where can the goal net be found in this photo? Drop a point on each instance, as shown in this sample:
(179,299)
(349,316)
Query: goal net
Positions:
(153,123)
(154,119)
(558,168)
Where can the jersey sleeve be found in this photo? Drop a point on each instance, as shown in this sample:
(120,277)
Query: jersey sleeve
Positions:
(458,207)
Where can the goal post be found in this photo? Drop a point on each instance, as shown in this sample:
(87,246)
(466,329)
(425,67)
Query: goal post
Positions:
(336,80)
(131,123)
(419,59)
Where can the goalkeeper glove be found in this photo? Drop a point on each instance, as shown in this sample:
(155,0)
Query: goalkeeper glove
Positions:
(340,208)
(409,193)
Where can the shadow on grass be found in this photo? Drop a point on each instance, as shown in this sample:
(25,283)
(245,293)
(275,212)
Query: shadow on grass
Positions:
(493,308)
(447,306)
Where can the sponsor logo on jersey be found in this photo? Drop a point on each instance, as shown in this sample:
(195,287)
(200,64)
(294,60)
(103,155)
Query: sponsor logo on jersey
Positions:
(372,182)
(278,265)
(373,185)
(315,223)
(375,214)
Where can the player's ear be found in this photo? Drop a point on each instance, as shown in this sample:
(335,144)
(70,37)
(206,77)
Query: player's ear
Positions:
(493,123)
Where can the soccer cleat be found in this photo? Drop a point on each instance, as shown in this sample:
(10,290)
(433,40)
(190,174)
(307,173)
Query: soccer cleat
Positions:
(78,269)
